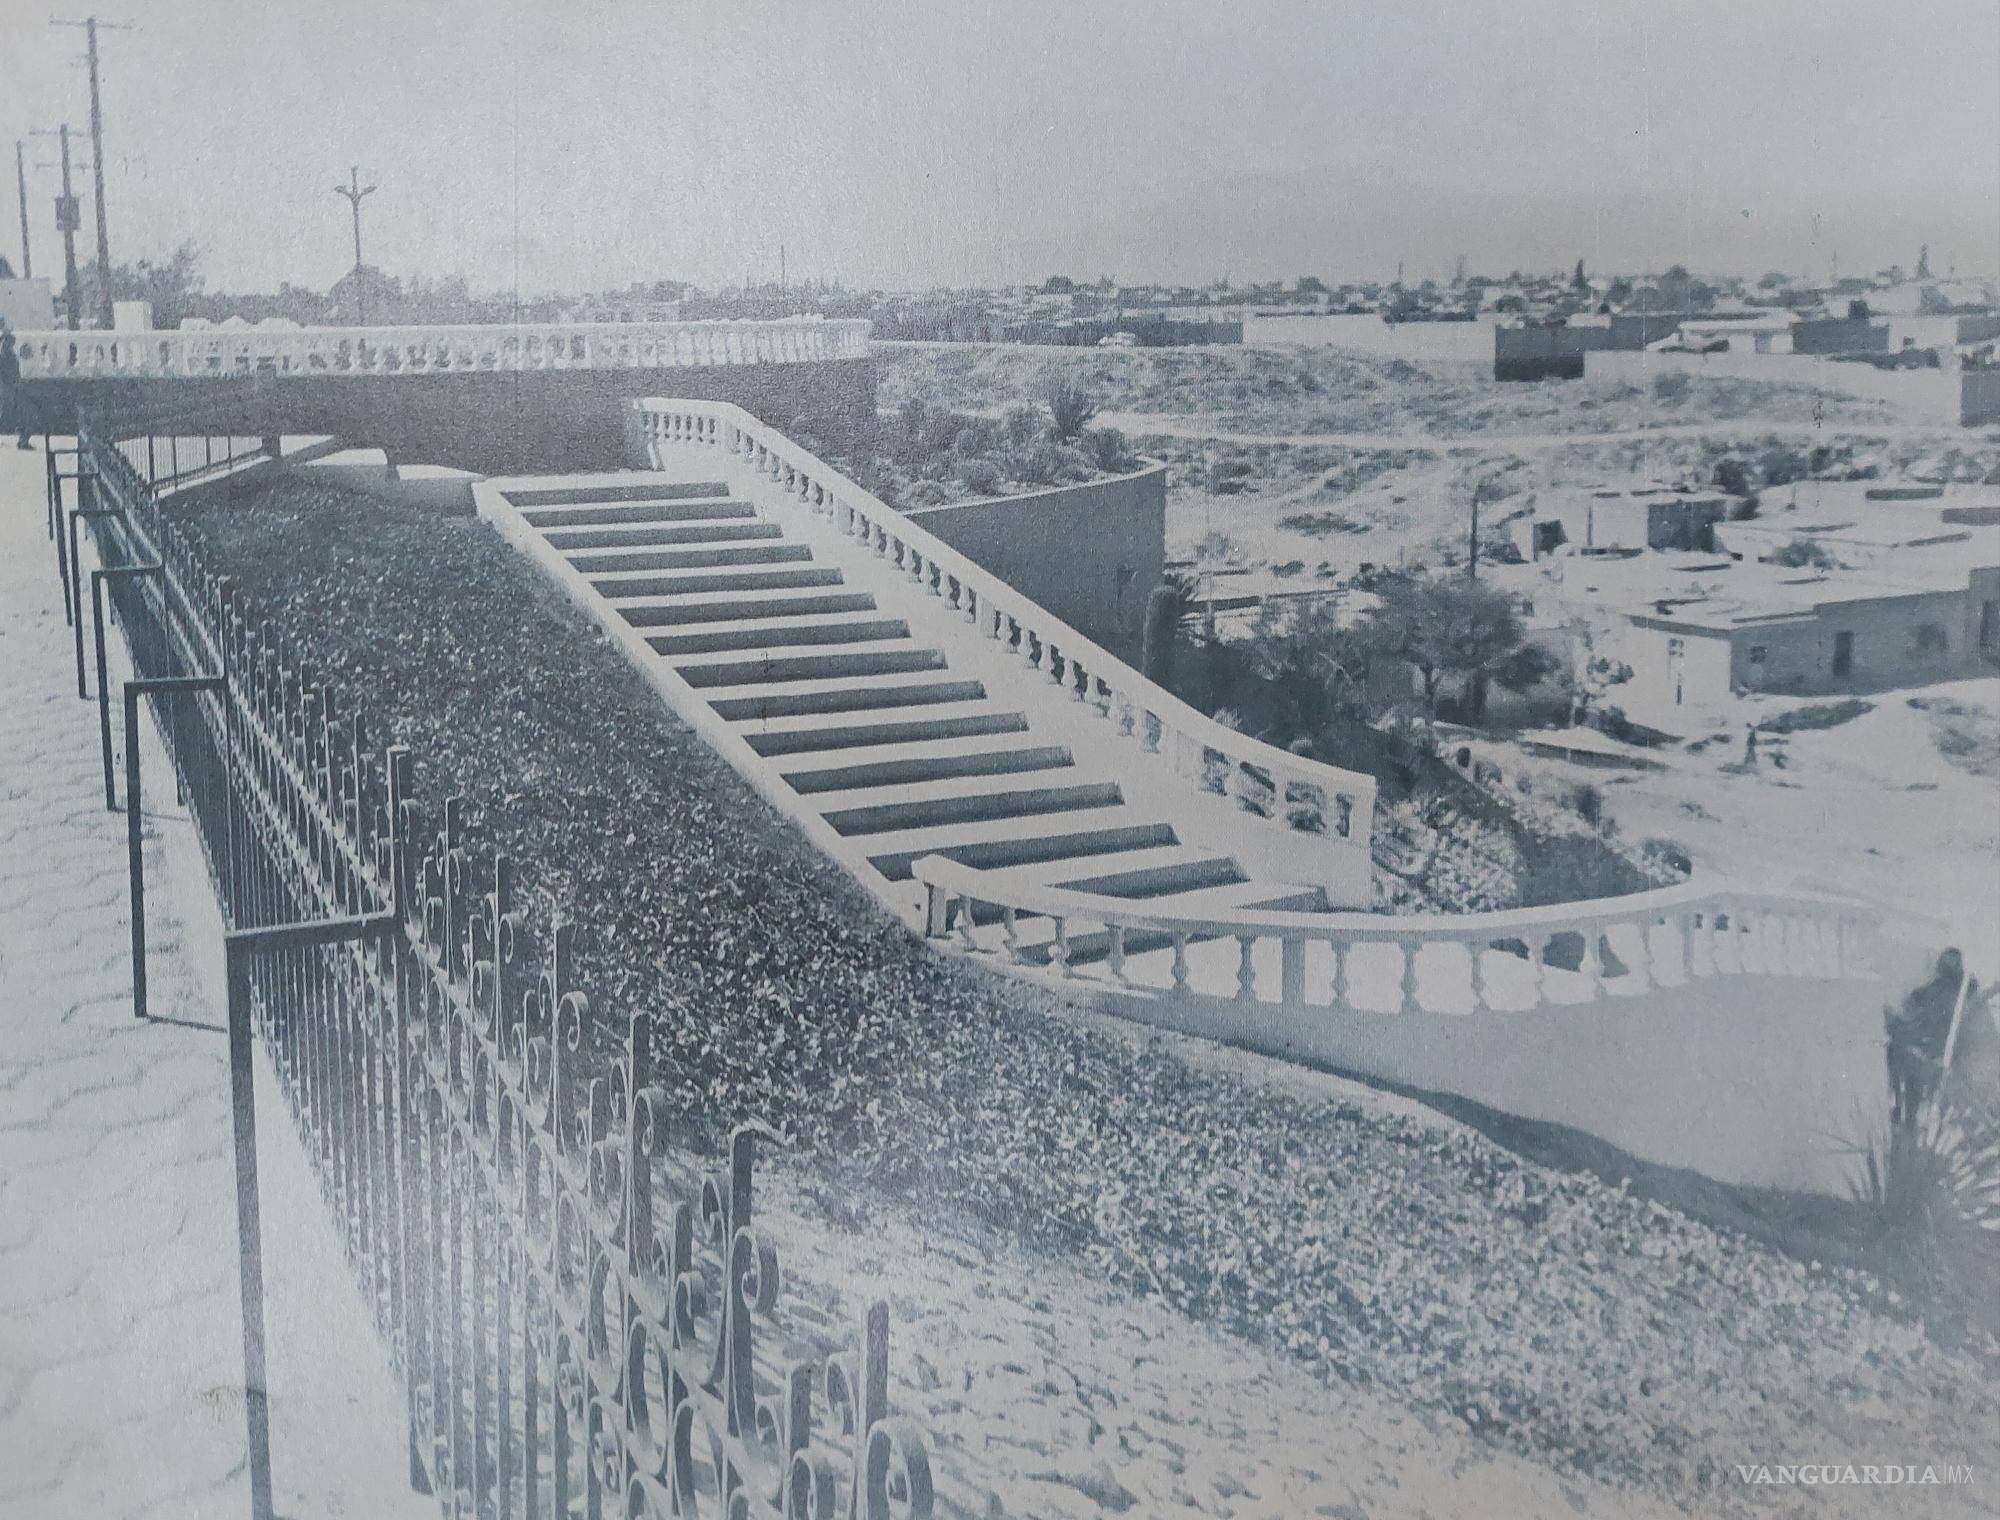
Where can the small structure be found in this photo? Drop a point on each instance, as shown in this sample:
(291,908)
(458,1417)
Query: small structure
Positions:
(1621,519)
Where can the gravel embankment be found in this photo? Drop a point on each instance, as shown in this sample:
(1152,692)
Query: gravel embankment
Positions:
(1567,1320)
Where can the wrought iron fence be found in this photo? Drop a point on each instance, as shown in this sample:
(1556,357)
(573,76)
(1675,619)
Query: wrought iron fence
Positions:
(576,1337)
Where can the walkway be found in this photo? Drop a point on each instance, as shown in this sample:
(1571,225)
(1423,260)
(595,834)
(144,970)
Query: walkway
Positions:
(120,1334)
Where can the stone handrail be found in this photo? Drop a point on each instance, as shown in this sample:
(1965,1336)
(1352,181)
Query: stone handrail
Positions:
(1335,807)
(208,352)
(1510,959)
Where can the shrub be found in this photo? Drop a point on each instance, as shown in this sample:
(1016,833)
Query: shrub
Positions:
(1108,450)
(1745,510)
(981,476)
(1732,476)
(1815,715)
(1803,553)
(1588,801)
(1023,426)
(1039,464)
(1668,854)
(1670,387)
(1070,408)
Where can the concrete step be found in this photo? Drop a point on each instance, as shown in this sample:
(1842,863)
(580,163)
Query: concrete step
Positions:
(831,733)
(626,584)
(627,490)
(607,561)
(955,799)
(738,606)
(769,666)
(857,627)
(925,759)
(883,694)
(1035,933)
(593,516)
(1135,874)
(655,535)
(1014,841)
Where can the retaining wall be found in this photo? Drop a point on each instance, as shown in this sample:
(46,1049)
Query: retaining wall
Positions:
(499,422)
(1089,553)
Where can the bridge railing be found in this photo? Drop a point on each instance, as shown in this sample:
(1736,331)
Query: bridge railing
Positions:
(1320,806)
(1513,960)
(209,352)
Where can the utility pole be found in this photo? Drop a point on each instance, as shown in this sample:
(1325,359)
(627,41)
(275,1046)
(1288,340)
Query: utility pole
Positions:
(354,193)
(1472,557)
(68,220)
(21,178)
(90,25)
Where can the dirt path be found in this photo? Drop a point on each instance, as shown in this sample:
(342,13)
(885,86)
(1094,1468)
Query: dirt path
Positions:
(1173,425)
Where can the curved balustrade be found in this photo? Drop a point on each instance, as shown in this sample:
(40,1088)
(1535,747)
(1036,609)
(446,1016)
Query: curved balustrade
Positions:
(1332,807)
(1508,961)
(216,352)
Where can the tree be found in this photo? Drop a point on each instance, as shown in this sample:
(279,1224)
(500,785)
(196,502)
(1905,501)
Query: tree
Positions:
(172,285)
(1058,285)
(1453,629)
(1579,281)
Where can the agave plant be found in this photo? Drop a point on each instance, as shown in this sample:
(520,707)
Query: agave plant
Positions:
(1932,1186)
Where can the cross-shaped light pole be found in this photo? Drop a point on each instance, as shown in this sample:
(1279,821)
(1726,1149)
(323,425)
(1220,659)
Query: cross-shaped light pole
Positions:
(354,192)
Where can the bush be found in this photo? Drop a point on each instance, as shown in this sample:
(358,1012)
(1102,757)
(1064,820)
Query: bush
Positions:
(1669,855)
(1070,408)
(1023,426)
(1803,553)
(1588,801)
(1108,450)
(1732,476)
(1816,715)
(1670,388)
(1746,509)
(981,476)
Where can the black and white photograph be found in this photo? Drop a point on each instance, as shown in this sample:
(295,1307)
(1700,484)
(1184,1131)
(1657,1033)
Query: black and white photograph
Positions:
(1000,760)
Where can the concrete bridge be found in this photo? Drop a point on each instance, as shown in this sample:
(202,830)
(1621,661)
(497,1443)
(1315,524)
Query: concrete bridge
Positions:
(489,398)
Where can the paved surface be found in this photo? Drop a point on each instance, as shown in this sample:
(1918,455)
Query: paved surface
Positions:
(121,1370)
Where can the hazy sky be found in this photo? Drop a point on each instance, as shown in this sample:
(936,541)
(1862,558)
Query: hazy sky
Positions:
(566,143)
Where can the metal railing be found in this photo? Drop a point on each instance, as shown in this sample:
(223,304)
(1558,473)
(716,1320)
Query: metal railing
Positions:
(573,1336)
(194,353)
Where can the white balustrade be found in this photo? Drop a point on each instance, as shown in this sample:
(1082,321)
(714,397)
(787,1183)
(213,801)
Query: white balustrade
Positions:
(1331,808)
(1453,964)
(215,352)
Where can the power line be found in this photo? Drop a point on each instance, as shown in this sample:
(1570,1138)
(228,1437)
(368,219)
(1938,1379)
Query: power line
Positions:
(91,26)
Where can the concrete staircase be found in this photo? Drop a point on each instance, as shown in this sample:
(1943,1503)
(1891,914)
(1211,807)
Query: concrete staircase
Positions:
(854,719)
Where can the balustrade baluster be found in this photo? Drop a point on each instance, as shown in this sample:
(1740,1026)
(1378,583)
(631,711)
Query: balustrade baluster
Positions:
(1410,1003)
(1591,967)
(1475,950)
(1114,956)
(1060,954)
(1342,992)
(1246,968)
(1010,931)
(1292,975)
(1180,961)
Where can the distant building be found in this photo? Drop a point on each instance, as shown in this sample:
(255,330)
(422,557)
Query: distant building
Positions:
(27,305)
(1809,632)
(1622,519)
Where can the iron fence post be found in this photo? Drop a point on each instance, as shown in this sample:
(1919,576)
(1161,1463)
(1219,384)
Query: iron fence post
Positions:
(135,858)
